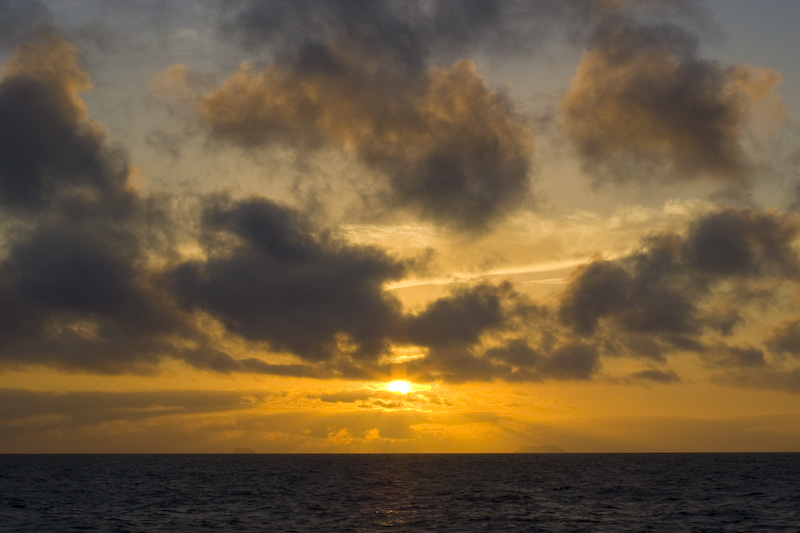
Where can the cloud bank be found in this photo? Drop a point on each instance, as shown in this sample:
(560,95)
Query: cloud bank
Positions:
(95,276)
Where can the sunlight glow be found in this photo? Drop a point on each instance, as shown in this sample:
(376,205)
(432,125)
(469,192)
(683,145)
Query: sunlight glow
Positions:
(400,386)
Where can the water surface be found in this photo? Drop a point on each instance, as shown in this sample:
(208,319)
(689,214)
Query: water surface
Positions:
(493,492)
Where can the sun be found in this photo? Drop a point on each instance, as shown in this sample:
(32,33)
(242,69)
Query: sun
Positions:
(399,386)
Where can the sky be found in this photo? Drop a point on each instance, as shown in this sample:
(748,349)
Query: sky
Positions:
(232,225)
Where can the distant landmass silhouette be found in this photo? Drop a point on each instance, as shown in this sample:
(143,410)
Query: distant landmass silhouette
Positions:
(243,450)
(547,448)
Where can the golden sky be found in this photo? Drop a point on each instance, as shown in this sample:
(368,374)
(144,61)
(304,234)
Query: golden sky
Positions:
(399,226)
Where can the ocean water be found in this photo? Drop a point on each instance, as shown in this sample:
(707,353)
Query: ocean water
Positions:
(496,492)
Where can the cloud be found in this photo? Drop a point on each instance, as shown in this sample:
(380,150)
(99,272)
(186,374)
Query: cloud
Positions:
(407,32)
(206,357)
(474,335)
(452,328)
(85,286)
(644,106)
(382,399)
(74,279)
(785,337)
(657,376)
(267,278)
(744,242)
(517,361)
(668,294)
(596,289)
(646,294)
(736,357)
(81,290)
(50,151)
(359,77)
(443,143)
(460,319)
(516,353)
(572,361)
(76,298)
(760,376)
(191,421)
(81,408)
(365,77)
(19,19)
(349,396)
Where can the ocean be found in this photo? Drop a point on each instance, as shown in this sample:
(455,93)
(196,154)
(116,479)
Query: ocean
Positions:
(447,492)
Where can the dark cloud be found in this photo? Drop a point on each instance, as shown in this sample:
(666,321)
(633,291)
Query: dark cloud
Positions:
(662,297)
(81,408)
(84,285)
(595,290)
(268,279)
(643,296)
(725,319)
(644,106)
(80,291)
(461,331)
(452,328)
(744,242)
(77,298)
(516,353)
(455,365)
(517,361)
(74,280)
(657,376)
(406,32)
(359,76)
(209,358)
(293,24)
(445,144)
(350,396)
(50,151)
(762,377)
(572,361)
(785,337)
(460,319)
(724,356)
